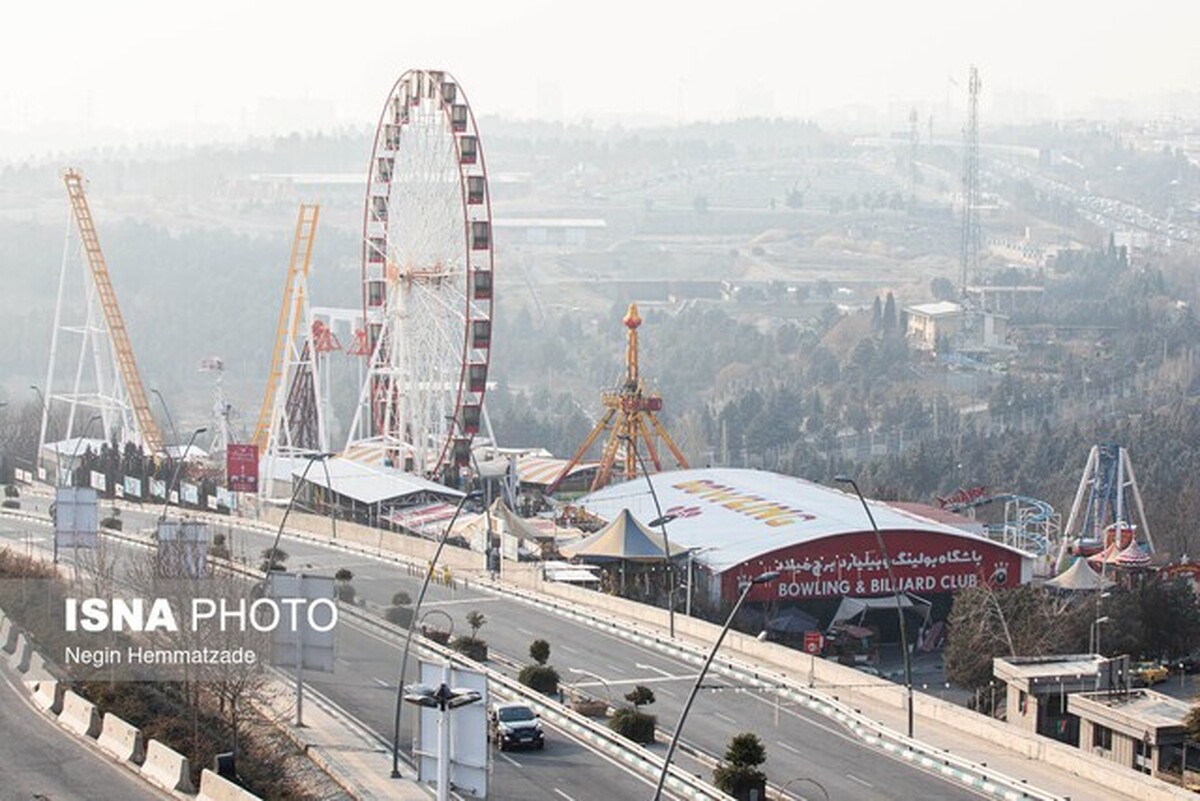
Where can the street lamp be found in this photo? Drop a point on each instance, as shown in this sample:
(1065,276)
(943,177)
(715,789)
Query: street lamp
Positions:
(1094,631)
(175,472)
(167,409)
(487,502)
(444,699)
(887,564)
(75,451)
(412,624)
(814,782)
(660,521)
(765,578)
(590,674)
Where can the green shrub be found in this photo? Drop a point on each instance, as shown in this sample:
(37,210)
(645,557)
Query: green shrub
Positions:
(111,522)
(11,491)
(634,725)
(739,775)
(399,616)
(539,650)
(9,503)
(640,696)
(471,647)
(542,678)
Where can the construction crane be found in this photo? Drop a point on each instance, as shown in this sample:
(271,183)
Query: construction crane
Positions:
(147,426)
(630,415)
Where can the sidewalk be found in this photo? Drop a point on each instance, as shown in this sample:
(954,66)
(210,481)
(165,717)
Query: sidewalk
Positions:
(351,756)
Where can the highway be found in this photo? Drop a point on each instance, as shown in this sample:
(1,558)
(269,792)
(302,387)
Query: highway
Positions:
(366,672)
(799,743)
(45,763)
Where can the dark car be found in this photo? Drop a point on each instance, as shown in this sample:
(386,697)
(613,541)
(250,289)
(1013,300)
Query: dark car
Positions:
(515,726)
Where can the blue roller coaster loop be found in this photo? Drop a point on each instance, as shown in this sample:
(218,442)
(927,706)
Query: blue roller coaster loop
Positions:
(1039,512)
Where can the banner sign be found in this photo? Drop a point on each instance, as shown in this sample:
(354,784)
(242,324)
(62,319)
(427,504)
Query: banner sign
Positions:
(190,492)
(241,466)
(133,487)
(851,565)
(224,498)
(99,481)
(76,517)
(158,488)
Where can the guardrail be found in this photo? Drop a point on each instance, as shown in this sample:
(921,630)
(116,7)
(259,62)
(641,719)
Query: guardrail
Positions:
(634,757)
(962,771)
(872,733)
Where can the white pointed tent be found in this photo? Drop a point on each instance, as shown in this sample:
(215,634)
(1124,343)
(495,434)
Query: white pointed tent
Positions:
(624,539)
(1079,577)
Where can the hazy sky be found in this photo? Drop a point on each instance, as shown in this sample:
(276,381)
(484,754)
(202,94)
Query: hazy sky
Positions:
(79,74)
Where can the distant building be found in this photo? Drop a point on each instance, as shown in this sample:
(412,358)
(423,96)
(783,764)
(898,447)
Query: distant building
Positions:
(963,329)
(557,231)
(927,322)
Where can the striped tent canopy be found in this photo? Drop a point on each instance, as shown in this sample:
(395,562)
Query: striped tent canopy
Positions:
(623,539)
(1133,556)
(1106,557)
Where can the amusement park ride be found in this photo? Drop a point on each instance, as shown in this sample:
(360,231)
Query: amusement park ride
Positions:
(630,416)
(115,390)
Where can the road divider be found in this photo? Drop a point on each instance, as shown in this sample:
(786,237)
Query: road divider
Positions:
(122,740)
(167,768)
(79,715)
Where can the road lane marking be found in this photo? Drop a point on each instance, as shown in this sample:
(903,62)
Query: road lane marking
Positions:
(564,795)
(380,681)
(568,649)
(791,748)
(526,632)
(863,782)
(656,669)
(724,717)
(509,759)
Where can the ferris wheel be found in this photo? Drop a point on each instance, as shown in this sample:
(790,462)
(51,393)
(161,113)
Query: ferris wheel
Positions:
(427,284)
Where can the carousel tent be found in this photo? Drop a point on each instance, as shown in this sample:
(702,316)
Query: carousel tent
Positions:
(1079,577)
(623,539)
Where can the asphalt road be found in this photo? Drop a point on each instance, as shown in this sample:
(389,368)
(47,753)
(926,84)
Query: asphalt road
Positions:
(41,762)
(364,684)
(799,744)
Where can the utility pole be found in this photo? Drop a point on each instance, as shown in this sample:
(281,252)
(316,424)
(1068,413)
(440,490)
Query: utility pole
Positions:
(970,245)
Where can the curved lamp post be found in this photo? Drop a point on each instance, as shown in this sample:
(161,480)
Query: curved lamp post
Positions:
(765,578)
(176,471)
(590,674)
(79,441)
(167,409)
(412,626)
(487,503)
(660,521)
(887,564)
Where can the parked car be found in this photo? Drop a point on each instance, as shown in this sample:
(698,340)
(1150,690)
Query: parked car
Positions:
(1149,673)
(515,726)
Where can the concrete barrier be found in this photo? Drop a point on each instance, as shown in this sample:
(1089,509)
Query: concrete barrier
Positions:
(8,635)
(48,694)
(19,660)
(215,788)
(79,715)
(122,740)
(167,768)
(39,669)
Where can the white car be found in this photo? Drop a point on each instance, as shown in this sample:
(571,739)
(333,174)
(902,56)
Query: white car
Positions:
(515,726)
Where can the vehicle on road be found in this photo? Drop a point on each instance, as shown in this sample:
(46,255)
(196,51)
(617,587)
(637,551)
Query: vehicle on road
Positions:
(1149,673)
(515,726)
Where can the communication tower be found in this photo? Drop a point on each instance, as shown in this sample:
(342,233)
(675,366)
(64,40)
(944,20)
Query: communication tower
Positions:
(630,415)
(969,252)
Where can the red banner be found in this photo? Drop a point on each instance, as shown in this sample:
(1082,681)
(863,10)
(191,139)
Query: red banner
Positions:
(241,467)
(814,642)
(851,565)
